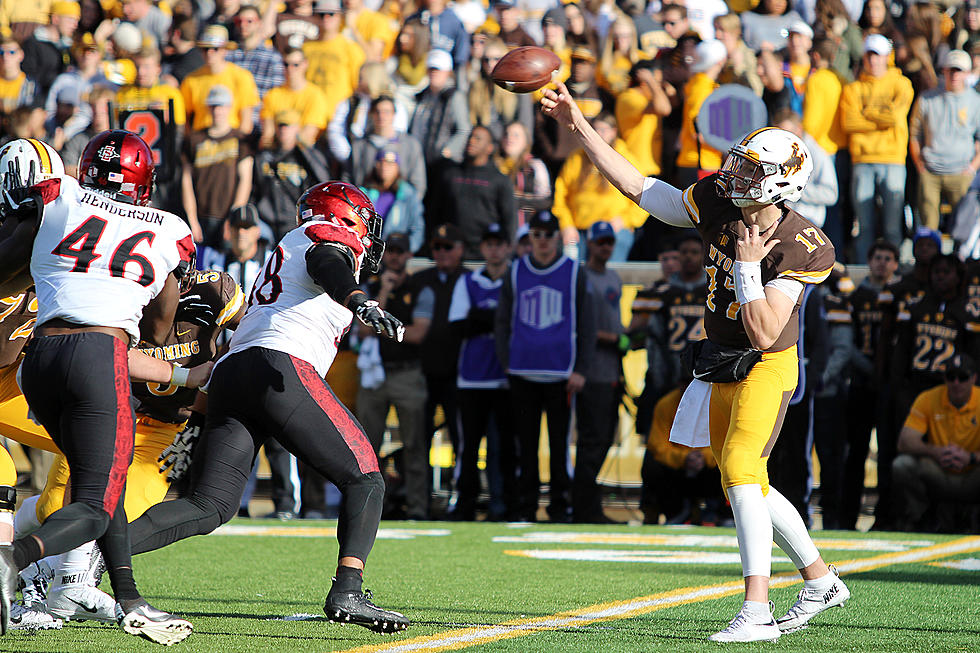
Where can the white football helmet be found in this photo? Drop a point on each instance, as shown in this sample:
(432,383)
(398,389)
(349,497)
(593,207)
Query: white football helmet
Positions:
(767,166)
(28,161)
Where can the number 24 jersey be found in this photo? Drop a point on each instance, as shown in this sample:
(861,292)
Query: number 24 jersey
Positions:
(803,253)
(97,261)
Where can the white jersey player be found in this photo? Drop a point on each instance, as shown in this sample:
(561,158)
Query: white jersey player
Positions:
(103,263)
(271,383)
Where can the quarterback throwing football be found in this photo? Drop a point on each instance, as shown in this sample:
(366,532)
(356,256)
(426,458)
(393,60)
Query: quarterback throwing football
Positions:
(758,256)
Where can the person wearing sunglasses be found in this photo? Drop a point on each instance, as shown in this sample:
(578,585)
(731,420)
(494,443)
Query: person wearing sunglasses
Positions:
(218,71)
(16,88)
(936,476)
(252,54)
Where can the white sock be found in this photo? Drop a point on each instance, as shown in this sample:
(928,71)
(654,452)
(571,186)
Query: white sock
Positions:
(789,530)
(25,521)
(757,612)
(72,566)
(753,529)
(821,584)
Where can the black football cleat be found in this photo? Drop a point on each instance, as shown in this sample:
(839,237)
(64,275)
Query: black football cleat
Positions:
(357,608)
(8,585)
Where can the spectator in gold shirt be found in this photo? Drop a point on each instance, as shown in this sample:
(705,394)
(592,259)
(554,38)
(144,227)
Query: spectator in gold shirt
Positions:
(939,449)
(639,111)
(296,94)
(216,71)
(148,92)
(695,156)
(16,89)
(335,60)
(372,31)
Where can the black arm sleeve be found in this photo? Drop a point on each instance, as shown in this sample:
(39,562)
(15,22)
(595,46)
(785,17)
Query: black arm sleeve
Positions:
(333,270)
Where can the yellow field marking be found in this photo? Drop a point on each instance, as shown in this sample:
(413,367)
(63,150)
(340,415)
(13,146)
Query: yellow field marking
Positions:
(466,637)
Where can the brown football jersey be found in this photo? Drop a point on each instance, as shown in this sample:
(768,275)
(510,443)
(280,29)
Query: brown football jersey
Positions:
(18,314)
(803,253)
(213,303)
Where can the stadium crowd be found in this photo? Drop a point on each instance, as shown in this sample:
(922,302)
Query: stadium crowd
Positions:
(250,104)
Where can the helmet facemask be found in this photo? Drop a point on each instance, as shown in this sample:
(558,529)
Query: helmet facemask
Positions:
(741,180)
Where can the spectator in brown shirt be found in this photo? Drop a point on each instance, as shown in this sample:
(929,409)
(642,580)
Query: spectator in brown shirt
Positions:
(217,172)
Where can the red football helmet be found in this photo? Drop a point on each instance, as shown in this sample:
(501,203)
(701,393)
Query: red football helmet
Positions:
(349,213)
(119,162)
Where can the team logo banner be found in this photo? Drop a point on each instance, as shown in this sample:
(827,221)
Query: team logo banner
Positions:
(729,113)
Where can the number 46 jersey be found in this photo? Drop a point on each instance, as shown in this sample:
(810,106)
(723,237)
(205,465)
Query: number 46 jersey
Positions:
(288,311)
(97,261)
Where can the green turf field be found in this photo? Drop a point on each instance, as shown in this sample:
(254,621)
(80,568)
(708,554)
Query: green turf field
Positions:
(259,586)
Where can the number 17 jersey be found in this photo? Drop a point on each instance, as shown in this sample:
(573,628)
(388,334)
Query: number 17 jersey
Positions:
(97,261)
(803,254)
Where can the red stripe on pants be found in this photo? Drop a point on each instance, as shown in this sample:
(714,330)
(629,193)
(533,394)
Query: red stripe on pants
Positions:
(353,435)
(122,449)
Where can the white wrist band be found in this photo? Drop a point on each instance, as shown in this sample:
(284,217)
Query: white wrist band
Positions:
(179,376)
(748,281)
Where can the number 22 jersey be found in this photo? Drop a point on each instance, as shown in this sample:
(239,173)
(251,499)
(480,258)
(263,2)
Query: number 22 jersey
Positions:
(803,253)
(97,261)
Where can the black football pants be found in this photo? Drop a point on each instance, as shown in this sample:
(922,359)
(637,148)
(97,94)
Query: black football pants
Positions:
(255,394)
(78,388)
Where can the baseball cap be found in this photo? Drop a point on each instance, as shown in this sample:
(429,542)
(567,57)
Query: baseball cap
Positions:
(69,95)
(494,230)
(244,216)
(583,53)
(556,16)
(327,7)
(504,4)
(522,232)
(932,234)
(288,117)
(214,36)
(957,59)
(439,60)
(961,363)
(219,96)
(600,230)
(388,154)
(878,44)
(447,233)
(399,242)
(543,220)
(66,8)
(799,27)
(708,53)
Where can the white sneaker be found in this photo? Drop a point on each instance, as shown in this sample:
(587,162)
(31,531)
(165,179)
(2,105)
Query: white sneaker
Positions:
(155,625)
(743,629)
(32,618)
(82,603)
(810,603)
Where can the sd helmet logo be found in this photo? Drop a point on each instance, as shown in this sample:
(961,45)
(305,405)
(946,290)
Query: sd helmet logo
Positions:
(108,152)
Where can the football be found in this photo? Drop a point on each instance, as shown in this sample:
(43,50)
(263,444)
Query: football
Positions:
(525,69)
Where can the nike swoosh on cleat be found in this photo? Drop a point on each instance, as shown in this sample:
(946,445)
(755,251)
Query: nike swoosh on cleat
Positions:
(83,606)
(183,333)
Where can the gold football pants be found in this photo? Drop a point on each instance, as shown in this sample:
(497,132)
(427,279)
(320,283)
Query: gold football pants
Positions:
(146,485)
(14,423)
(745,418)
